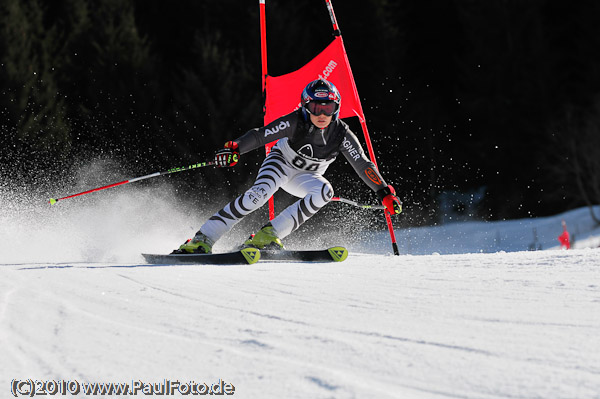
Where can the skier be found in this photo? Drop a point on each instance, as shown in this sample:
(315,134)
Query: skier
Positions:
(310,139)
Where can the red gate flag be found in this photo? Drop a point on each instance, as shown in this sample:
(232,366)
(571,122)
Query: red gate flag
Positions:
(283,92)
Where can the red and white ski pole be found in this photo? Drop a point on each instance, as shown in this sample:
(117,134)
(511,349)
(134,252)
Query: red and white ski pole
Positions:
(172,170)
(356,204)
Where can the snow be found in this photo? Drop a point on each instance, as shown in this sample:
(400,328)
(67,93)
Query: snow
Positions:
(465,312)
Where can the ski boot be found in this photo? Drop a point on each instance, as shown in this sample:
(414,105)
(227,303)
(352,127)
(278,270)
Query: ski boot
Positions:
(265,238)
(200,244)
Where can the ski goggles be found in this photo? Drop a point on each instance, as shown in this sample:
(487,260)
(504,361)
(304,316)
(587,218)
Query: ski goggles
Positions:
(324,108)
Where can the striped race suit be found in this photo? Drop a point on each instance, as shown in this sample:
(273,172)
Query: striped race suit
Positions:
(296,164)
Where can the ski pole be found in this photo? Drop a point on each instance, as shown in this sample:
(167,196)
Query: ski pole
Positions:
(53,201)
(356,204)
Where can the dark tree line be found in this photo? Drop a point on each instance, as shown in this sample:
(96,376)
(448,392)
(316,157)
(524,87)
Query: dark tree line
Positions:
(458,94)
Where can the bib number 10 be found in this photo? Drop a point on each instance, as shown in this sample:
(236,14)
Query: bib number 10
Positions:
(302,163)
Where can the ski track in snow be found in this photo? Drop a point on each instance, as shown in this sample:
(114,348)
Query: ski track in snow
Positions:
(499,325)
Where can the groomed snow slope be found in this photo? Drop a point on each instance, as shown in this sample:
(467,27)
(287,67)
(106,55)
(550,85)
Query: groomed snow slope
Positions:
(462,317)
(502,325)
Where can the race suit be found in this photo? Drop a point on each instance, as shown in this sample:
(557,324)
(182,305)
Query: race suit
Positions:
(296,164)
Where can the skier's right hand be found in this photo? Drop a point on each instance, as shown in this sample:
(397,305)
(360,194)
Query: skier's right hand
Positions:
(228,155)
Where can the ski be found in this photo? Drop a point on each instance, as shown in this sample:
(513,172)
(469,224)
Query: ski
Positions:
(241,257)
(334,254)
(250,256)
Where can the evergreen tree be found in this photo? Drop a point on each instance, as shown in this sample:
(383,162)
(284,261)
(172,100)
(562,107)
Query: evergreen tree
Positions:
(110,76)
(36,121)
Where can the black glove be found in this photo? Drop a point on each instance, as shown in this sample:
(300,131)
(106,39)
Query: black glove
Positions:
(227,156)
(388,198)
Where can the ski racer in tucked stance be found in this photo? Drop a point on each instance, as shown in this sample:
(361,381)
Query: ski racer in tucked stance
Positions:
(310,139)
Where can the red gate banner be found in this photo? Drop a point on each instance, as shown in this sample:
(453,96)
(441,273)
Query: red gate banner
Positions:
(283,92)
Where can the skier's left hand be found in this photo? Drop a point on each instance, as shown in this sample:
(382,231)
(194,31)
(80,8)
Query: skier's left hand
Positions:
(388,198)
(228,156)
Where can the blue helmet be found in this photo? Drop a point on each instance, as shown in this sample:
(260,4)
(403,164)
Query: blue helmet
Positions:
(320,97)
